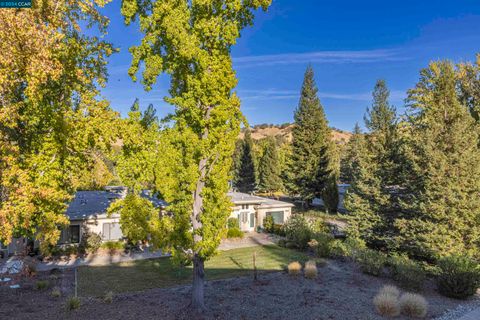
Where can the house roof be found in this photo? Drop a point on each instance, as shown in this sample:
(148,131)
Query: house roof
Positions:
(94,204)
(245,198)
(89,204)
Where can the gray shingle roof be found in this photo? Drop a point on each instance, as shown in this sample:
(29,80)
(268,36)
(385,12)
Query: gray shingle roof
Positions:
(89,204)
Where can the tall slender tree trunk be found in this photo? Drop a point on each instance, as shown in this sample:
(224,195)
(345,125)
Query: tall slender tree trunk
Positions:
(198,303)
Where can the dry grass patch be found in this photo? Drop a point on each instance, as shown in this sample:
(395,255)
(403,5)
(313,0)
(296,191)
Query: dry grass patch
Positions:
(413,305)
(311,269)
(294,268)
(56,293)
(108,297)
(386,305)
(390,290)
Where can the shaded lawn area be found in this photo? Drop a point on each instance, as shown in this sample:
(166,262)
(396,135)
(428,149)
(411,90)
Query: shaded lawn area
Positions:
(156,273)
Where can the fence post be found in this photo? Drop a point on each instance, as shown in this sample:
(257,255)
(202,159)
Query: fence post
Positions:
(255,265)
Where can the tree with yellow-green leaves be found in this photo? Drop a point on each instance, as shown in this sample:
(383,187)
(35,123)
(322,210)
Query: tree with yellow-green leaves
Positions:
(50,120)
(191,41)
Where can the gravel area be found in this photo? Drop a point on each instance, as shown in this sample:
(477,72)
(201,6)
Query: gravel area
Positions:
(340,292)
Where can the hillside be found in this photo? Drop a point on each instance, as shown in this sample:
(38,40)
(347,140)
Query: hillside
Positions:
(285,131)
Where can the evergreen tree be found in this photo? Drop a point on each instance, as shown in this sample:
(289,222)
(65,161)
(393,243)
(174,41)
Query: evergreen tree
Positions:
(313,157)
(440,213)
(149,117)
(375,184)
(269,168)
(349,154)
(246,177)
(361,199)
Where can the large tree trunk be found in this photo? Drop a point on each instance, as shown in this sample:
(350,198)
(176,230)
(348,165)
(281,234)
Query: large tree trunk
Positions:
(198,303)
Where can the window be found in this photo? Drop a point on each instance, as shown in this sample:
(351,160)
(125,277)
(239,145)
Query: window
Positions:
(112,231)
(245,206)
(277,216)
(70,235)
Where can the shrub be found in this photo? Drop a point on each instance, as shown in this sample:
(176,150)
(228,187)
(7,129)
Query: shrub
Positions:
(298,231)
(413,305)
(41,284)
(294,268)
(311,269)
(370,261)
(268,223)
(408,273)
(232,223)
(113,245)
(73,303)
(56,293)
(278,229)
(282,243)
(386,305)
(324,242)
(390,290)
(234,233)
(290,245)
(90,242)
(108,298)
(459,277)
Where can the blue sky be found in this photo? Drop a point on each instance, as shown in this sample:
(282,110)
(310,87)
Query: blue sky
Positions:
(350,45)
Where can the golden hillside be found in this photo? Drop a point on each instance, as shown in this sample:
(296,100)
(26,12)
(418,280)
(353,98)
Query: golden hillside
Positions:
(285,131)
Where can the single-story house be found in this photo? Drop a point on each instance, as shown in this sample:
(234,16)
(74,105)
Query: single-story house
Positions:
(250,210)
(88,211)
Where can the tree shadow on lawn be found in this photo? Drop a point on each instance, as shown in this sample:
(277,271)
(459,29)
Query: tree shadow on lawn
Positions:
(141,275)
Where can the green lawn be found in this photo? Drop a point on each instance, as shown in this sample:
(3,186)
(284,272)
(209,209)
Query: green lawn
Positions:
(145,274)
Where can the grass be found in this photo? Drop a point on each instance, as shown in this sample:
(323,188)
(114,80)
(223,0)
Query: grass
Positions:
(156,273)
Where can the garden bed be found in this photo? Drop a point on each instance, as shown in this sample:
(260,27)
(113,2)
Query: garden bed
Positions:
(341,291)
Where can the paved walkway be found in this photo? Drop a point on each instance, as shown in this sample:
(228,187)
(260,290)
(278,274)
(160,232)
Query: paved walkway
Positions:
(102,258)
(98,259)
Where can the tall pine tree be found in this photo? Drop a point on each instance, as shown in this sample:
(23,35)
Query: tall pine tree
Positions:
(246,175)
(313,155)
(441,207)
(269,168)
(372,197)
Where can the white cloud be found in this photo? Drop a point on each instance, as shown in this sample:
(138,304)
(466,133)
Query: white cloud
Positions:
(274,94)
(360,56)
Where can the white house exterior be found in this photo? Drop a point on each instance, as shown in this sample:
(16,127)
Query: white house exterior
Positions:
(250,210)
(88,212)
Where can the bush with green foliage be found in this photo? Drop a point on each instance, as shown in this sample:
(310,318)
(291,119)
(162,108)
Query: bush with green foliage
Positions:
(234,233)
(298,231)
(371,261)
(408,273)
(113,245)
(268,223)
(459,277)
(90,242)
(279,230)
(282,243)
(42,284)
(321,244)
(72,303)
(232,223)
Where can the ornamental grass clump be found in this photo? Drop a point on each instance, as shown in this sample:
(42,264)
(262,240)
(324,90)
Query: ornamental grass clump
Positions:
(294,268)
(311,269)
(386,305)
(390,290)
(413,305)
(72,303)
